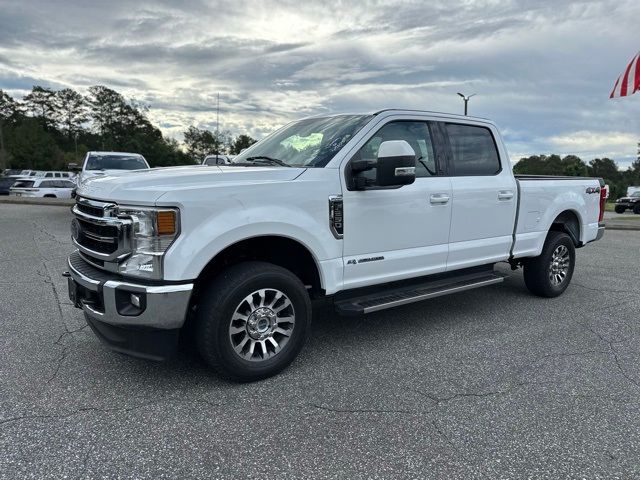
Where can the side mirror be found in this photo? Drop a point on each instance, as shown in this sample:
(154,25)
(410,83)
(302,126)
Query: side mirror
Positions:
(396,164)
(73,167)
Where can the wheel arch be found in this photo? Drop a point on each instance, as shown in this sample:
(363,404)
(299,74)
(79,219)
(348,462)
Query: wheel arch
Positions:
(568,222)
(280,250)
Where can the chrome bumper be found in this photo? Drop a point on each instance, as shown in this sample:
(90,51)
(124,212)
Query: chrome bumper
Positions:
(601,229)
(103,297)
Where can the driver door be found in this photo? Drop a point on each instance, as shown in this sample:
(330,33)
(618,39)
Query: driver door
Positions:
(398,232)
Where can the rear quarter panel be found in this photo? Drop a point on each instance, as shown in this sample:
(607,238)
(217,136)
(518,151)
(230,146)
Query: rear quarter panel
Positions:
(541,201)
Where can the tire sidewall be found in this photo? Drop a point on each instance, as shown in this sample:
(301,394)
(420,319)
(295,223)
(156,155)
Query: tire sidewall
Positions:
(636,208)
(243,369)
(551,247)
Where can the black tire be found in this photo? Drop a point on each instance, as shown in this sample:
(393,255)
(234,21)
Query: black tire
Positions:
(224,295)
(619,209)
(636,208)
(537,271)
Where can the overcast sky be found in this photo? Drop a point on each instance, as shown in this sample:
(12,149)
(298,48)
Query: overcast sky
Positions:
(542,69)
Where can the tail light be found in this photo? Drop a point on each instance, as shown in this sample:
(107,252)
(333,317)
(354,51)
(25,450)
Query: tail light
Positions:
(604,194)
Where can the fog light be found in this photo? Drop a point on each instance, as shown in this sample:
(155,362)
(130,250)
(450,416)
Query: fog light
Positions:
(135,300)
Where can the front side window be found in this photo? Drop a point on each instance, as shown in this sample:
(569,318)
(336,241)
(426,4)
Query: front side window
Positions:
(115,162)
(416,134)
(312,142)
(473,150)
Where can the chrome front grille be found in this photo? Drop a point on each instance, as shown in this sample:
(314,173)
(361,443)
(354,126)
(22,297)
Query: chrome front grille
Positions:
(102,237)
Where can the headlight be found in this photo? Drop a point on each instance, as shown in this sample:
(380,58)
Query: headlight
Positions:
(154,230)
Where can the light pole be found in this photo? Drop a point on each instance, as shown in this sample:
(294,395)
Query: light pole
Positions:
(466,101)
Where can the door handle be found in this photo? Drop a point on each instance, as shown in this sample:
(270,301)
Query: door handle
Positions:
(505,195)
(439,199)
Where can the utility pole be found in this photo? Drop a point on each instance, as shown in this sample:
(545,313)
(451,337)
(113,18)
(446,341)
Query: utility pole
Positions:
(466,101)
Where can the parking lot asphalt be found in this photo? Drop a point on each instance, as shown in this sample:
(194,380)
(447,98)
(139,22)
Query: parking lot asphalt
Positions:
(491,383)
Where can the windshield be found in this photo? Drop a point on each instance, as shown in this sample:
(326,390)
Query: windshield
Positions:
(115,162)
(635,194)
(307,143)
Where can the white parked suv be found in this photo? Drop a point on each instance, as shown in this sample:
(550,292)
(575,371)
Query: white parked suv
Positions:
(364,211)
(40,187)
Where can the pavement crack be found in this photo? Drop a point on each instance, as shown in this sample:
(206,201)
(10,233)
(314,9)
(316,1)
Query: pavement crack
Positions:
(363,410)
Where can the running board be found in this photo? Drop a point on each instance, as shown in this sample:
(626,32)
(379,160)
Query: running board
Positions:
(415,293)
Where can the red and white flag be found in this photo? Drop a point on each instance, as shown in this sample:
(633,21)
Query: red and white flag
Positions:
(629,82)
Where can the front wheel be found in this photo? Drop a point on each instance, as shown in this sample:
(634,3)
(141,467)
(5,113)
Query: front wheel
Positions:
(549,274)
(619,209)
(636,208)
(253,321)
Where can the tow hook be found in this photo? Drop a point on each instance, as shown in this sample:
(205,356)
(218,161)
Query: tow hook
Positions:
(66,274)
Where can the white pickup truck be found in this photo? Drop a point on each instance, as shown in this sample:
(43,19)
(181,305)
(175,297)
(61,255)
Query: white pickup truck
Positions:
(365,211)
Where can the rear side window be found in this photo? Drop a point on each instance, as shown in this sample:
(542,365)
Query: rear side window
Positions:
(48,184)
(473,150)
(23,184)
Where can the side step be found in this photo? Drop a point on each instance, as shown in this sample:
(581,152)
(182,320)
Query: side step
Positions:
(414,293)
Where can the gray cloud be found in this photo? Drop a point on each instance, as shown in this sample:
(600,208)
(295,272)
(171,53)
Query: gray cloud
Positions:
(542,69)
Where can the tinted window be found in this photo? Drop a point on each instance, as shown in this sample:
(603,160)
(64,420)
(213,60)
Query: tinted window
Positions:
(49,175)
(66,184)
(48,184)
(23,184)
(415,134)
(473,149)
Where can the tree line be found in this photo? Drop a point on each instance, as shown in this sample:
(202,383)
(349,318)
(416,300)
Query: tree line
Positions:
(572,165)
(49,128)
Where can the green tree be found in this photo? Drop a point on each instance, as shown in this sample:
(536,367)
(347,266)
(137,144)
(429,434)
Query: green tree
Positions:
(240,143)
(574,166)
(106,106)
(31,146)
(72,111)
(201,143)
(8,110)
(41,102)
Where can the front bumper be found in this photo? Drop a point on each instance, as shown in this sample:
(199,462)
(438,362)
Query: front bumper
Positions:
(149,330)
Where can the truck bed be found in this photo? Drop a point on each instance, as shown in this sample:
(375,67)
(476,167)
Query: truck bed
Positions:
(542,198)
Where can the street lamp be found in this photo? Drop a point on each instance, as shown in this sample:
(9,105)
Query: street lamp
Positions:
(466,101)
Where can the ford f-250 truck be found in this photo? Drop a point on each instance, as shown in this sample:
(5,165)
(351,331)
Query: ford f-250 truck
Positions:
(369,211)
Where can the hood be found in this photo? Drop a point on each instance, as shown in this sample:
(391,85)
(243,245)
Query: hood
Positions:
(144,187)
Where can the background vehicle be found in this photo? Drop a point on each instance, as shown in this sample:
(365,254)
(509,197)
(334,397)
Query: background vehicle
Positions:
(42,187)
(211,160)
(107,163)
(5,184)
(365,211)
(631,202)
(54,174)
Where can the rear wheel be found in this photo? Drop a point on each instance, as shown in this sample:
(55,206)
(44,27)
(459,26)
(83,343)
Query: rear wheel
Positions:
(636,208)
(619,209)
(253,321)
(549,274)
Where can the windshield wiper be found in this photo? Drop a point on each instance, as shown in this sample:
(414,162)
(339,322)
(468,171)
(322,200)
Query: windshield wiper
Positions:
(269,160)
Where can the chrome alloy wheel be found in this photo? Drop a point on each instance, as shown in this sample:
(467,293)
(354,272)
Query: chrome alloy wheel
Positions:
(559,266)
(262,324)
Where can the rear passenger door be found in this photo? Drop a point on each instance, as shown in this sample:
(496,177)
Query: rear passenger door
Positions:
(483,196)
